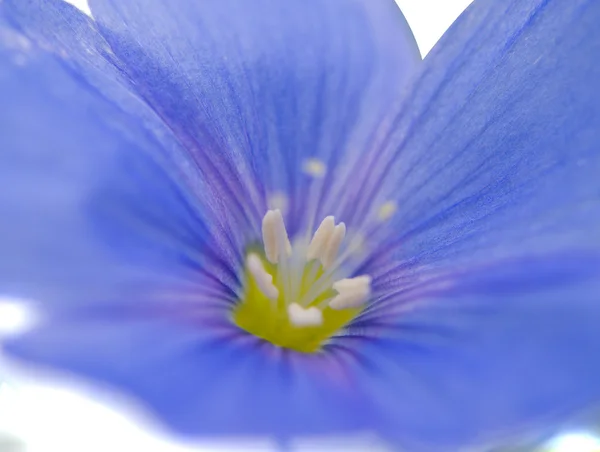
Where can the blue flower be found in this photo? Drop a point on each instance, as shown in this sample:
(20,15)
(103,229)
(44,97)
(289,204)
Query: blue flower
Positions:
(155,163)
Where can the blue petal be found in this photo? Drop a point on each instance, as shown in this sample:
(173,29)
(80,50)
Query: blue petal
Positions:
(216,380)
(487,312)
(92,207)
(61,29)
(501,354)
(494,154)
(256,88)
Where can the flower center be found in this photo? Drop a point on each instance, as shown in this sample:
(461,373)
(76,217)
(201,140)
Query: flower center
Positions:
(293,295)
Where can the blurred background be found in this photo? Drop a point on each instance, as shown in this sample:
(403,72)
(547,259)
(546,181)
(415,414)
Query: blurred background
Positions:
(53,416)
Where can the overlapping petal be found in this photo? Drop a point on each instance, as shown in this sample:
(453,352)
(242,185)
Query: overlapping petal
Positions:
(92,206)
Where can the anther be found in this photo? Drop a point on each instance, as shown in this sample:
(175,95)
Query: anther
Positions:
(320,238)
(300,316)
(329,254)
(273,231)
(352,292)
(264,280)
(314,167)
(387,210)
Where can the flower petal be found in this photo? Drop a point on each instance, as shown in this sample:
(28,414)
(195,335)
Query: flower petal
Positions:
(495,152)
(255,89)
(72,37)
(486,320)
(502,353)
(92,207)
(214,381)
(61,29)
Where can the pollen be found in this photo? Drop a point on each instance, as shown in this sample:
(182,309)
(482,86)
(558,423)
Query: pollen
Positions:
(263,280)
(299,296)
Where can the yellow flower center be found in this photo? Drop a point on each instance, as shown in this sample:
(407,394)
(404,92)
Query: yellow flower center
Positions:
(291,295)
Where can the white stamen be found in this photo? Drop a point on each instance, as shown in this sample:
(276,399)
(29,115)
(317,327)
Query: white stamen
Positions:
(352,292)
(264,280)
(320,238)
(314,167)
(387,210)
(299,268)
(304,317)
(352,283)
(330,252)
(273,228)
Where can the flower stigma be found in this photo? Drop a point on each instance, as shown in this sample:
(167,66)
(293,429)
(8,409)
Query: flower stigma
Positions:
(293,295)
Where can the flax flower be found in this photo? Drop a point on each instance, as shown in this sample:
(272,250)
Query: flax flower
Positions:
(269,217)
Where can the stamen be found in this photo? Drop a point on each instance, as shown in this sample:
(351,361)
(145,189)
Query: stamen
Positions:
(320,239)
(387,210)
(300,316)
(333,246)
(291,298)
(352,292)
(273,228)
(314,167)
(264,280)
